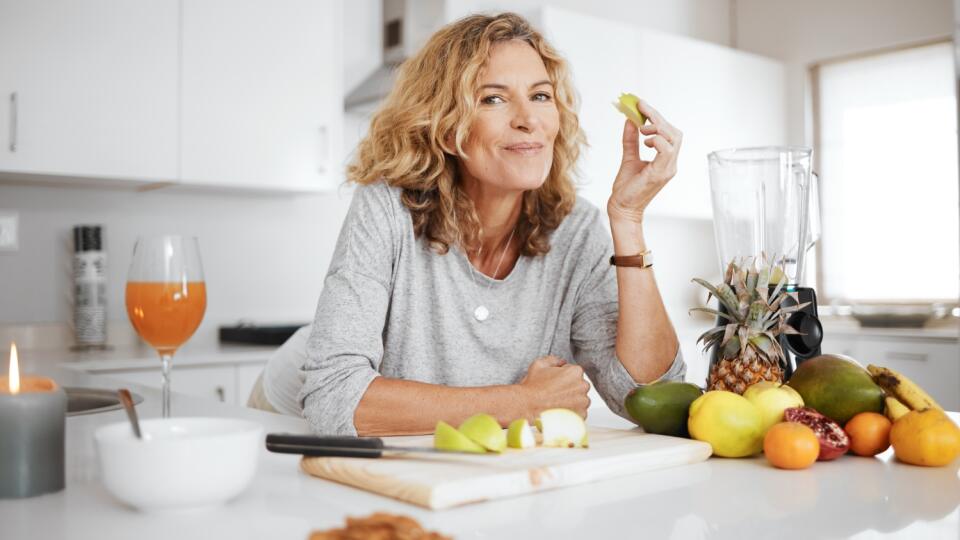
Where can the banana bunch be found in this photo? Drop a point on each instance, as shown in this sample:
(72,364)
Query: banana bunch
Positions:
(903,395)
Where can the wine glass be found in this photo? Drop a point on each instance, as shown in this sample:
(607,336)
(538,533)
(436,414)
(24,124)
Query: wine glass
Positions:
(166,296)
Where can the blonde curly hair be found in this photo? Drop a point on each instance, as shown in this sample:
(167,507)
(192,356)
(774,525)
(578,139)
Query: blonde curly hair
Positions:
(432,105)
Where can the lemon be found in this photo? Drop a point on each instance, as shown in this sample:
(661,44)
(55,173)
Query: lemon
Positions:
(926,438)
(772,399)
(729,422)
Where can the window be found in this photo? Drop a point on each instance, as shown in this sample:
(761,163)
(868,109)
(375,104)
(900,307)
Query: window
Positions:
(887,146)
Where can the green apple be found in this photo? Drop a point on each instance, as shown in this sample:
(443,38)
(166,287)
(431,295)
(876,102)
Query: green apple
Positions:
(772,399)
(563,428)
(519,434)
(484,430)
(627,104)
(446,437)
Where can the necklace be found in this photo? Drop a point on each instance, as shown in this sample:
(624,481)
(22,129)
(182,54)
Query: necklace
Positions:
(481,312)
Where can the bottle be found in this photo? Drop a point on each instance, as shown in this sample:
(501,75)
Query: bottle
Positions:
(90,287)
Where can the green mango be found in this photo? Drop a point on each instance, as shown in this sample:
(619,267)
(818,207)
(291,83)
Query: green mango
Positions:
(663,407)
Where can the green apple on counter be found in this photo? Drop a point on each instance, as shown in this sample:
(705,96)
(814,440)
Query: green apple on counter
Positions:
(484,430)
(446,437)
(520,435)
(563,428)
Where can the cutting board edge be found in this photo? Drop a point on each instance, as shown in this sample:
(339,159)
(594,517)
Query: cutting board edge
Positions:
(570,475)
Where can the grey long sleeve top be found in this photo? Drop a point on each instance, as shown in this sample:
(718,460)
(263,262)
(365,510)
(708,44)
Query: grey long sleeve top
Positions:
(392,306)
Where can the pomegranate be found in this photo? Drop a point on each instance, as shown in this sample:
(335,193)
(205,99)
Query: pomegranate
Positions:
(833,441)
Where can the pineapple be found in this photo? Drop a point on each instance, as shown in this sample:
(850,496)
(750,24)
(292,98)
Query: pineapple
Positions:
(747,348)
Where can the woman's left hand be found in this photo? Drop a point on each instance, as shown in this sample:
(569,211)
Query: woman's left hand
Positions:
(638,181)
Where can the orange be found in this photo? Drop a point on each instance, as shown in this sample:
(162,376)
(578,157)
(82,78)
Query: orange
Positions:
(789,445)
(869,433)
(926,438)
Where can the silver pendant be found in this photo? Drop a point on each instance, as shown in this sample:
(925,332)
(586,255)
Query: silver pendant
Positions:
(481,313)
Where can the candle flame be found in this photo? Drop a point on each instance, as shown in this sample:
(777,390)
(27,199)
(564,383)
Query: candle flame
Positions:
(14,370)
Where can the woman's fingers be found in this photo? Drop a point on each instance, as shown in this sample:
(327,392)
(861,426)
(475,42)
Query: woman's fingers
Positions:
(631,141)
(649,129)
(659,142)
(666,157)
(665,128)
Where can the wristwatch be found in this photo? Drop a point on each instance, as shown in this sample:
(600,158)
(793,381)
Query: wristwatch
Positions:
(643,260)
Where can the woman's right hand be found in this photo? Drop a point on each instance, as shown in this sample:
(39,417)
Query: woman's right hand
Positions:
(551,382)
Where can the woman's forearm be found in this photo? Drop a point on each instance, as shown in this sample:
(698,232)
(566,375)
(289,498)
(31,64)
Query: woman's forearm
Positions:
(398,407)
(646,341)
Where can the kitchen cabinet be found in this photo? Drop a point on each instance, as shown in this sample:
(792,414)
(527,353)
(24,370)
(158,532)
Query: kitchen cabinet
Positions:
(931,362)
(717,96)
(89,89)
(228,94)
(261,94)
(226,383)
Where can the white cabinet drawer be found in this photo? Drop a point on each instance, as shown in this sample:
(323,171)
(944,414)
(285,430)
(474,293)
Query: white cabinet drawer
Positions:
(215,383)
(934,365)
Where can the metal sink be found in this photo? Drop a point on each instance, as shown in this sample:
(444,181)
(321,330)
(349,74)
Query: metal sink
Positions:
(94,400)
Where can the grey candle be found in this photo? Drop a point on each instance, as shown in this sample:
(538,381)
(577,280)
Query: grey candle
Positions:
(32,414)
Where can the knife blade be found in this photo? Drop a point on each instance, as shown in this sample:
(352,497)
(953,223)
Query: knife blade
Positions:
(344,446)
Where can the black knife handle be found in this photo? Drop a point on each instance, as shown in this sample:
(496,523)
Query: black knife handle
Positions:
(325,446)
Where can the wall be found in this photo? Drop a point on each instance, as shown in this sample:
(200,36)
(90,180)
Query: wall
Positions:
(803,33)
(264,257)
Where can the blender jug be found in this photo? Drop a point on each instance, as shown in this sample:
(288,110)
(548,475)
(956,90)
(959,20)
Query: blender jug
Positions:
(762,206)
(765,207)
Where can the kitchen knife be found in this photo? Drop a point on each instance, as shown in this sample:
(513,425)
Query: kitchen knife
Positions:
(343,446)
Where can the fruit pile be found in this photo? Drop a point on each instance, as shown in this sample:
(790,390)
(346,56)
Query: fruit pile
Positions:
(829,407)
(560,428)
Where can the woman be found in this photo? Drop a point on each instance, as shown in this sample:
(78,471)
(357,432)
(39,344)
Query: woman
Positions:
(468,277)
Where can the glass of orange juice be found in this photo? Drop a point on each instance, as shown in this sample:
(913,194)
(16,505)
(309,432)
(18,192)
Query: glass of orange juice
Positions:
(166,296)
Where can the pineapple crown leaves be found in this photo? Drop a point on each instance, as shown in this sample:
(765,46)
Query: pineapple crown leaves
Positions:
(754,315)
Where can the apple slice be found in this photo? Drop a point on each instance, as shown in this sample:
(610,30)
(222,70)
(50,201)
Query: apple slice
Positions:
(519,434)
(627,104)
(484,430)
(446,437)
(563,428)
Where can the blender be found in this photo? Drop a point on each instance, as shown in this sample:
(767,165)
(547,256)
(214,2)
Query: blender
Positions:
(766,207)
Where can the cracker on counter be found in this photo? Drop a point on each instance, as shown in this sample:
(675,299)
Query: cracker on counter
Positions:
(379,526)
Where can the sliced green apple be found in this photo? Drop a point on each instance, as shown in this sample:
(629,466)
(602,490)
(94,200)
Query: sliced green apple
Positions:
(563,428)
(446,437)
(519,434)
(484,430)
(627,104)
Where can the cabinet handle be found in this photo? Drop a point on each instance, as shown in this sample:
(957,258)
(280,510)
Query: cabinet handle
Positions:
(913,357)
(221,395)
(13,122)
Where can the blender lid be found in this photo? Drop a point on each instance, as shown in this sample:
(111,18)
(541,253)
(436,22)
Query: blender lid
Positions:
(756,153)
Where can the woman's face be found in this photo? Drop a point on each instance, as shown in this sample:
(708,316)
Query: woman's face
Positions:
(511,140)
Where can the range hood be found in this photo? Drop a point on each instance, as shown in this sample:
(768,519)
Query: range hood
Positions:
(406,27)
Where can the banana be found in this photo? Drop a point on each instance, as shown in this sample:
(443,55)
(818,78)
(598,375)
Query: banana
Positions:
(902,388)
(894,409)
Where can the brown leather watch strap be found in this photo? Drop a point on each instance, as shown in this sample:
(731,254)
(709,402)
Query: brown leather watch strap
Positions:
(643,260)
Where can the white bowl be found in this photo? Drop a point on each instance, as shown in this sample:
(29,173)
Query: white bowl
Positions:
(182,463)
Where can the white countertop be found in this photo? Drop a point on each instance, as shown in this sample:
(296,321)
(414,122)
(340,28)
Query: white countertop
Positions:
(720,498)
(126,358)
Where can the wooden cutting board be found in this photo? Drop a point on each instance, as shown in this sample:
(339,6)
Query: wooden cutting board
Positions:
(442,481)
